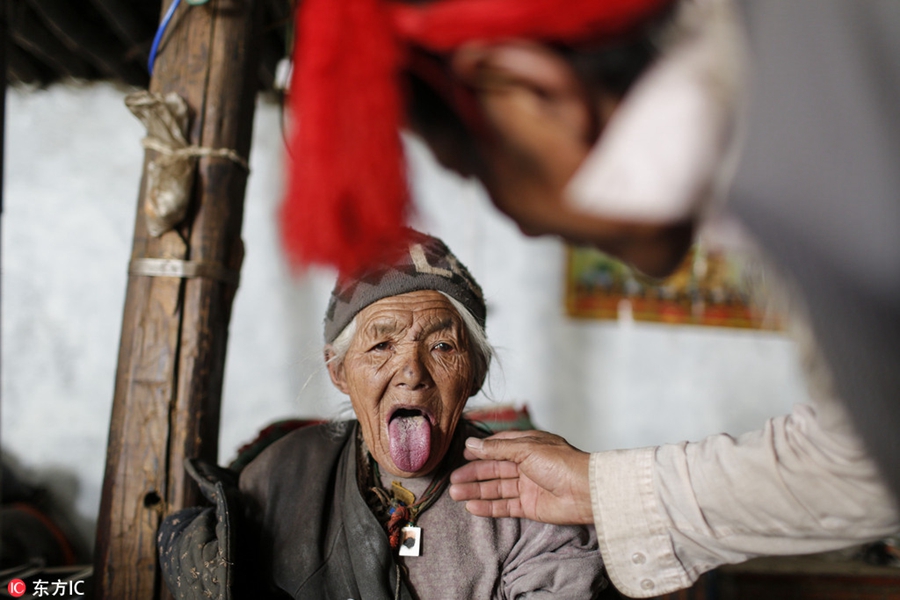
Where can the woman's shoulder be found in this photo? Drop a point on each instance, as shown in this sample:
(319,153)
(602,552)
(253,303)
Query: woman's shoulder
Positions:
(308,447)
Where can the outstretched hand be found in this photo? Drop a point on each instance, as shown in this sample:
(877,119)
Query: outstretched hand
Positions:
(527,474)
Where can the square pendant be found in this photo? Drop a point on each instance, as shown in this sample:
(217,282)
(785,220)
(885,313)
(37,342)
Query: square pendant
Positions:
(411,541)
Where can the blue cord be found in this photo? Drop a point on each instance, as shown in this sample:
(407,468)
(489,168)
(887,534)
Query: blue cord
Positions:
(154,48)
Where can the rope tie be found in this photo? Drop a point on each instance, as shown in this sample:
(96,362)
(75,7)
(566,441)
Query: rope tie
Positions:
(189,152)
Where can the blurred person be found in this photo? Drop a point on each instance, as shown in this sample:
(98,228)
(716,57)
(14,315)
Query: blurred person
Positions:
(630,165)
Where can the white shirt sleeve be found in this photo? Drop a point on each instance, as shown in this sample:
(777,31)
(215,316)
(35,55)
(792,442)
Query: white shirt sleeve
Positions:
(802,484)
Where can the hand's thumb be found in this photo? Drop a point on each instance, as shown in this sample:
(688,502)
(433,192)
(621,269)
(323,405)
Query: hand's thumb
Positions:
(496,449)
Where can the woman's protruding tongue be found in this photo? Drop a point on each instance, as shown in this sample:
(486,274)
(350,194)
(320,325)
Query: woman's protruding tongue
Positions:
(410,433)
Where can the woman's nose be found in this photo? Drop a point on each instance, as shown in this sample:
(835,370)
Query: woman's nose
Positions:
(412,373)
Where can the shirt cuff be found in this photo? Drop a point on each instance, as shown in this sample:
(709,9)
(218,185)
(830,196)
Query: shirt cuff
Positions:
(631,526)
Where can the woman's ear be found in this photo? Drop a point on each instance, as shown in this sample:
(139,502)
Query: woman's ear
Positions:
(336,370)
(479,374)
(477,384)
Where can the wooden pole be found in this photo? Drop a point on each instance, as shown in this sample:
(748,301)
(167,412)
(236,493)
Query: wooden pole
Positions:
(174,331)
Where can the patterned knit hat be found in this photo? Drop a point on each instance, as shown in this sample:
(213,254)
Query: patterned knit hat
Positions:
(425,263)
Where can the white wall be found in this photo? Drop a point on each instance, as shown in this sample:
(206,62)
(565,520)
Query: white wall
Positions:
(72,175)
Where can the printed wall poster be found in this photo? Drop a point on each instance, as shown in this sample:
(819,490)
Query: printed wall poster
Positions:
(714,286)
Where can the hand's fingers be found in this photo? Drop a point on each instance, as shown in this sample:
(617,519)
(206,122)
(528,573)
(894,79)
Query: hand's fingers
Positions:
(474,445)
(513,448)
(484,471)
(517,63)
(485,490)
(469,455)
(515,434)
(496,508)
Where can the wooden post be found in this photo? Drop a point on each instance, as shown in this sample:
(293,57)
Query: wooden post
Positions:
(174,331)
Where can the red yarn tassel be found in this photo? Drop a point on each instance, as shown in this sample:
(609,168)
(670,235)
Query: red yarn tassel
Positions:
(398,520)
(445,25)
(347,193)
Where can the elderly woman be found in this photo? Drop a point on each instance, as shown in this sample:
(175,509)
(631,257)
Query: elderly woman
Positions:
(359,509)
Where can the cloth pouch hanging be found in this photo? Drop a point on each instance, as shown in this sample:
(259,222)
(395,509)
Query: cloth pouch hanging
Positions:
(170,173)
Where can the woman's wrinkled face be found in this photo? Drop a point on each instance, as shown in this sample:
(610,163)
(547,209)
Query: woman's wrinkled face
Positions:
(408,372)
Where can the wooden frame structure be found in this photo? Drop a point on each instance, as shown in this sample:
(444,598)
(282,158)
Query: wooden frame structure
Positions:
(174,330)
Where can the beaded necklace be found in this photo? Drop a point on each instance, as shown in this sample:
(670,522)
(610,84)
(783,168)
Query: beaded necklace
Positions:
(401,505)
(398,510)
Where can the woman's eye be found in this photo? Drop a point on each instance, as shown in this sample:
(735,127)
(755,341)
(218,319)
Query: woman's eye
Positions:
(382,346)
(443,347)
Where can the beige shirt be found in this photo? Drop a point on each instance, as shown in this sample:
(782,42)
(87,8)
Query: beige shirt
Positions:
(802,484)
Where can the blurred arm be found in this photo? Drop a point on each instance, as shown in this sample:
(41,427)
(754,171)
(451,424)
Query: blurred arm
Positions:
(802,484)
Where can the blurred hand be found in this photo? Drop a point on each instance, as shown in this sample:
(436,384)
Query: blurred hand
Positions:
(540,126)
(539,122)
(527,474)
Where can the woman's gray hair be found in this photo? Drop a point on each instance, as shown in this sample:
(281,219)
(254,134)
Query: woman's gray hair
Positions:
(482,351)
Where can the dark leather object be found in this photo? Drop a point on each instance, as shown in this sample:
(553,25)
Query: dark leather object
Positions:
(196,545)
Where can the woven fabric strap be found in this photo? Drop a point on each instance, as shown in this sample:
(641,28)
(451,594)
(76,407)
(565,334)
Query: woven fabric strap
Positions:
(184,269)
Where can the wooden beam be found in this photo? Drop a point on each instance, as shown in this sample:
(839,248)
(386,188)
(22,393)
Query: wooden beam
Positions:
(29,33)
(22,67)
(83,31)
(174,331)
(127,20)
